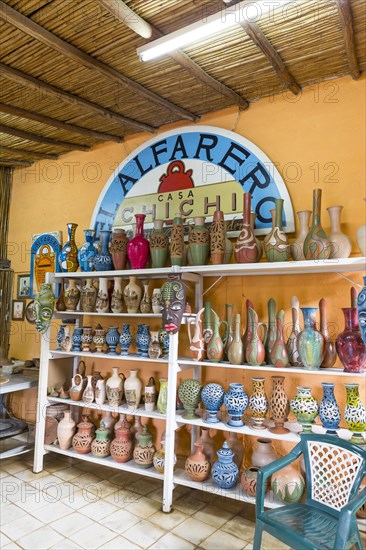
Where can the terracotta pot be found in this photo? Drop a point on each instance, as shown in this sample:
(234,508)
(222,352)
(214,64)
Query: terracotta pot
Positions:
(279,405)
(82,440)
(197,465)
(100,446)
(217,238)
(208,444)
(264,453)
(248,481)
(121,446)
(118,249)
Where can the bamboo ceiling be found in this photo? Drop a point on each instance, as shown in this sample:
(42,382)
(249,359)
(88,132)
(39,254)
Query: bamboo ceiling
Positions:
(54,98)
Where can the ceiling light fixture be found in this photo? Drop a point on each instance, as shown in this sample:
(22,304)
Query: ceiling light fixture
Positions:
(229,16)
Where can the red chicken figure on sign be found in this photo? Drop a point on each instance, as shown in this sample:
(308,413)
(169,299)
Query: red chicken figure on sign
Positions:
(176,178)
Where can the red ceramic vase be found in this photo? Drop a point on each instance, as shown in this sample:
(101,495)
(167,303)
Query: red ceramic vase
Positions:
(349,344)
(138,247)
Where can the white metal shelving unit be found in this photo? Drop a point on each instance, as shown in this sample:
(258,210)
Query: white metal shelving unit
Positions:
(175,364)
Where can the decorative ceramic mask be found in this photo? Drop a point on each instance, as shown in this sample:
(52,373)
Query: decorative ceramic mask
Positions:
(173,296)
(44,305)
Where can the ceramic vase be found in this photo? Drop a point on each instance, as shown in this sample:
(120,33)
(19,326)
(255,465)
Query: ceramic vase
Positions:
(103,259)
(114,388)
(361,310)
(163,396)
(159,459)
(145,304)
(361,238)
(229,248)
(88,394)
(329,412)
(189,392)
(76,338)
(199,243)
(150,395)
(197,465)
(264,453)
(102,303)
(136,428)
(276,245)
(159,245)
(330,355)
(118,249)
(100,392)
(288,485)
(207,330)
(82,440)
(65,431)
(122,447)
(271,331)
(88,296)
(305,408)
(248,480)
(217,238)
(258,404)
(236,401)
(144,340)
(279,354)
(71,295)
(208,444)
(60,337)
(316,244)
(236,445)
(66,342)
(117,296)
(254,350)
(77,387)
(215,347)
(100,446)
(355,414)
(132,295)
(176,248)
(154,349)
(253,216)
(99,338)
(87,251)
(112,339)
(246,247)
(235,353)
(108,421)
(341,246)
(69,254)
(225,472)
(279,405)
(96,375)
(137,338)
(133,389)
(350,347)
(60,303)
(229,336)
(311,342)
(87,339)
(197,344)
(144,451)
(125,339)
(164,341)
(212,397)
(297,247)
(138,249)
(292,342)
(156,300)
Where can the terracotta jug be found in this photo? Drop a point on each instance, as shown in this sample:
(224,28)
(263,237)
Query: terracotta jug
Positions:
(217,238)
(291,344)
(254,351)
(297,247)
(246,246)
(330,356)
(279,355)
(236,351)
(197,344)
(121,446)
(197,465)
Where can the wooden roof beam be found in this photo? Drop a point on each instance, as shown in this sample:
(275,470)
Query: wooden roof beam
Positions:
(4,162)
(30,115)
(33,154)
(127,16)
(26,25)
(345,14)
(42,139)
(39,86)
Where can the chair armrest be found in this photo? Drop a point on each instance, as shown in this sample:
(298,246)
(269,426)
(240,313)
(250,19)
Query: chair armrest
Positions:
(355,503)
(270,469)
(346,518)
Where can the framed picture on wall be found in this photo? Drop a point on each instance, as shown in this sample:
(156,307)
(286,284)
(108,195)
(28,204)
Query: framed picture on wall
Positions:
(23,286)
(30,312)
(18,310)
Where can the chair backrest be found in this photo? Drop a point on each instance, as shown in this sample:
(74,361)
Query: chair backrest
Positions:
(334,470)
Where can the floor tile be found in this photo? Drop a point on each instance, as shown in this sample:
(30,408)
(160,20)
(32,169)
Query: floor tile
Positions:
(193,530)
(15,467)
(144,507)
(66,544)
(28,475)
(49,483)
(120,521)
(145,534)
(171,542)
(77,499)
(122,498)
(10,546)
(224,541)
(213,516)
(269,543)
(93,536)
(17,529)
(144,486)
(168,521)
(120,543)
(98,510)
(4,540)
(40,539)
(240,527)
(188,504)
(71,524)
(67,474)
(53,512)
(10,512)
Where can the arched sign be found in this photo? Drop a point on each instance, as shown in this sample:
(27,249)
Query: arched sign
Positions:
(193,170)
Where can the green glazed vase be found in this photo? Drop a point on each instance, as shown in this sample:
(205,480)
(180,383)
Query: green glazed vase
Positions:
(163,396)
(189,392)
(279,354)
(276,245)
(159,245)
(355,414)
(305,408)
(316,244)
(199,243)
(311,342)
(176,247)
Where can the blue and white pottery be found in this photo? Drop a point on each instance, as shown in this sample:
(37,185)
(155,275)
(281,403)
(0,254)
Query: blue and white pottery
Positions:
(329,413)
(76,339)
(87,251)
(103,260)
(60,336)
(112,339)
(145,338)
(225,472)
(361,310)
(212,397)
(236,401)
(125,339)
(137,338)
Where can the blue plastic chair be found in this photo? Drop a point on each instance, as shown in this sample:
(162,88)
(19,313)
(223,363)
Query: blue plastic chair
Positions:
(327,520)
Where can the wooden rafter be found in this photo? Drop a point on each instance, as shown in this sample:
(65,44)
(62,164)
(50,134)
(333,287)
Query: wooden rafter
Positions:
(23,152)
(30,115)
(26,25)
(5,162)
(41,139)
(36,84)
(345,14)
(117,9)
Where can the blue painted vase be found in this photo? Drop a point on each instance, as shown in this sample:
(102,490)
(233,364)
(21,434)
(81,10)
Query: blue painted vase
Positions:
(236,401)
(60,336)
(329,413)
(212,397)
(112,339)
(225,472)
(311,343)
(76,339)
(145,338)
(68,257)
(103,260)
(87,251)
(137,338)
(361,310)
(125,339)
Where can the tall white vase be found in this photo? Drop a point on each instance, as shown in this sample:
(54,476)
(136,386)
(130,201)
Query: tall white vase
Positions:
(340,244)
(102,305)
(114,387)
(133,389)
(65,431)
(297,247)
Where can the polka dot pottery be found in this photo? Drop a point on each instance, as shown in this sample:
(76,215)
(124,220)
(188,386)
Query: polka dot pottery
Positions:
(305,408)
(225,472)
(189,393)
(236,401)
(212,397)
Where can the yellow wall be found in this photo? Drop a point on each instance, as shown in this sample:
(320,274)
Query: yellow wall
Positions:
(316,140)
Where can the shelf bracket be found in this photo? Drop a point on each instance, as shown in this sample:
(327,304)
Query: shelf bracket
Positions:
(213,285)
(348,279)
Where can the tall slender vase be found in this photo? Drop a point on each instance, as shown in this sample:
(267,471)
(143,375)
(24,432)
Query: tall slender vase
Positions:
(292,342)
(341,245)
(254,350)
(246,246)
(330,356)
(355,414)
(197,344)
(125,339)
(117,296)
(102,303)
(229,337)
(215,347)
(145,304)
(118,248)
(103,260)
(297,247)
(279,405)
(65,431)
(329,412)
(199,243)
(159,245)
(177,241)
(311,342)
(132,295)
(69,253)
(236,351)
(207,323)
(276,245)
(133,389)
(88,296)
(316,244)
(258,404)
(138,248)
(272,330)
(163,396)
(87,251)
(245,337)
(279,355)
(349,344)
(217,238)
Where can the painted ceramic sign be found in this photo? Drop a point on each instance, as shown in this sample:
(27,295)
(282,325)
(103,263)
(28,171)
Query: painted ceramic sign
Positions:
(44,253)
(193,170)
